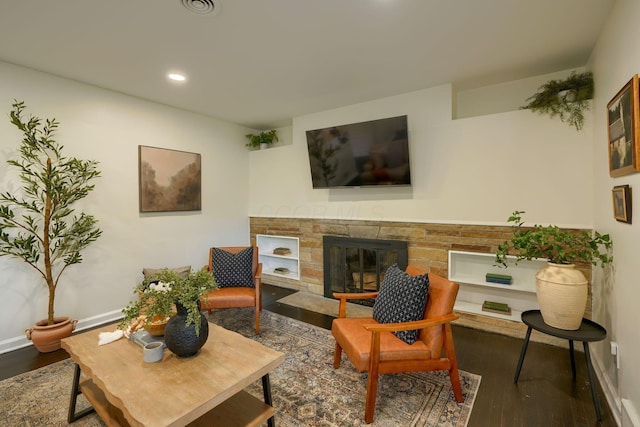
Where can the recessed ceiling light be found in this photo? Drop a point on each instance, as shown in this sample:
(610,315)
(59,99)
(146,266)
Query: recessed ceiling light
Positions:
(177,77)
(202,7)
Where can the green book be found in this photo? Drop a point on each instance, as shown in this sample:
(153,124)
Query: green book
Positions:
(491,310)
(498,276)
(500,306)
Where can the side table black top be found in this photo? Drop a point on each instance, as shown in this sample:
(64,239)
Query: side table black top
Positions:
(589,330)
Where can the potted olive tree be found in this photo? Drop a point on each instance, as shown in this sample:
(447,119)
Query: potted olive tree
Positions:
(561,289)
(38,223)
(262,140)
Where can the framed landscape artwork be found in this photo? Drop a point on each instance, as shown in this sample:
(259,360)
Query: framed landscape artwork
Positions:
(622,203)
(169,180)
(622,121)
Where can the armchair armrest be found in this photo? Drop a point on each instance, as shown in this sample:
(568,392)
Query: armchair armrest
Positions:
(355,295)
(344,296)
(409,326)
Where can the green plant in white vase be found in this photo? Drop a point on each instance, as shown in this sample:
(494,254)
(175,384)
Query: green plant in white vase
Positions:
(561,289)
(567,99)
(554,244)
(266,137)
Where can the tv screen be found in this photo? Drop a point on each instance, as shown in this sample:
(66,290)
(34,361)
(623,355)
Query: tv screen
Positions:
(360,154)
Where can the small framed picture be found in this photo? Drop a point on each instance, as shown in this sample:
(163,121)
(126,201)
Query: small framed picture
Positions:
(622,125)
(622,203)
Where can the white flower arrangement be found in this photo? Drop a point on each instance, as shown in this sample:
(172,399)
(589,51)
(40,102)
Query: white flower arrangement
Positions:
(160,286)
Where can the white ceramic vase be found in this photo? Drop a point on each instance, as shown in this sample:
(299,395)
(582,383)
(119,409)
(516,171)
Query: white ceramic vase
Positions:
(562,293)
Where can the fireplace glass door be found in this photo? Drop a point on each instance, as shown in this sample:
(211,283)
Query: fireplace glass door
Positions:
(358,265)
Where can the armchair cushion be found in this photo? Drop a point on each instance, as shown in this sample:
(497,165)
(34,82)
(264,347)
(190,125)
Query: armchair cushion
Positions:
(355,340)
(233,270)
(402,298)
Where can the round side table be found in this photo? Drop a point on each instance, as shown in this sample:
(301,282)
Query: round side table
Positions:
(589,331)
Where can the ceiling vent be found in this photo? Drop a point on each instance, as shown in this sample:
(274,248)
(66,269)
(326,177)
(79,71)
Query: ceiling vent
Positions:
(201,7)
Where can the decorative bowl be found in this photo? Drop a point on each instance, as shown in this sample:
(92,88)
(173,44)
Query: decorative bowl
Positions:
(156,328)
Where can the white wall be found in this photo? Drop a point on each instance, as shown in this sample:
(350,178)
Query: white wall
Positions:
(614,61)
(475,170)
(502,97)
(108,127)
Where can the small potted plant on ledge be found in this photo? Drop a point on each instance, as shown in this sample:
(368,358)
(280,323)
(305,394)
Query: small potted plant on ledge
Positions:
(567,99)
(561,289)
(262,140)
(38,223)
(165,293)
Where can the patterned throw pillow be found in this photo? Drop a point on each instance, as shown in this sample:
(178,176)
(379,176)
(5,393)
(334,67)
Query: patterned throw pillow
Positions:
(233,270)
(402,298)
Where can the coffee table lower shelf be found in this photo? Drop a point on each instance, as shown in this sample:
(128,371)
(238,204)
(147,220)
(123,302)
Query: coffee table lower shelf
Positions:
(242,409)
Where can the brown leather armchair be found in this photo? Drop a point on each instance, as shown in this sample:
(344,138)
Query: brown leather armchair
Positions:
(233,297)
(372,347)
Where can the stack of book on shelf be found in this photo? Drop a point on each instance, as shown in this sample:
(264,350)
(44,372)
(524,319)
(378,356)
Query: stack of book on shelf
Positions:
(496,307)
(281,251)
(498,278)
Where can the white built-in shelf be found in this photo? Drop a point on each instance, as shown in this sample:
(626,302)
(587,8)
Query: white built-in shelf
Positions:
(469,270)
(270,261)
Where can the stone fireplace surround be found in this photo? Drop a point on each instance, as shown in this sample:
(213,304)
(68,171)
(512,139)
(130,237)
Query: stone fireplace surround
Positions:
(428,246)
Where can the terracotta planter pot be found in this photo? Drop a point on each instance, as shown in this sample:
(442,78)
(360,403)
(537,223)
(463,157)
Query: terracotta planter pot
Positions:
(562,293)
(46,338)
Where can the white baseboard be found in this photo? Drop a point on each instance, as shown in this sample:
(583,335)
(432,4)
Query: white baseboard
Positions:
(610,391)
(16,343)
(630,417)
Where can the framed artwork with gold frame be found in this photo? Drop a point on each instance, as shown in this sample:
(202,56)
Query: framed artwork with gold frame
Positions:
(622,203)
(623,131)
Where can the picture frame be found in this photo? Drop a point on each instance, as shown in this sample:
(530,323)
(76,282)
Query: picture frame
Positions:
(623,131)
(169,180)
(622,203)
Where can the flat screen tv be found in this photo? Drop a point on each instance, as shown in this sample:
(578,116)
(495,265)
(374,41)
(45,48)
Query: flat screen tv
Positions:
(360,154)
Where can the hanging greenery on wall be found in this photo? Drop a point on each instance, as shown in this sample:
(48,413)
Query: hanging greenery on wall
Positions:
(567,99)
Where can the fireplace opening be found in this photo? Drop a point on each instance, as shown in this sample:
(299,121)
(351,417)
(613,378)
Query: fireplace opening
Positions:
(358,265)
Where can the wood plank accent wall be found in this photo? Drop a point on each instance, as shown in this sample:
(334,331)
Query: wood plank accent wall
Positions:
(428,243)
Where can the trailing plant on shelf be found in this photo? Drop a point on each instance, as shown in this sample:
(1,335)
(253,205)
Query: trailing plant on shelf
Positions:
(38,223)
(266,137)
(552,243)
(567,99)
(158,294)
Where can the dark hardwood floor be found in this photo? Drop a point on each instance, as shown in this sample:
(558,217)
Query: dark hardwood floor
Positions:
(544,396)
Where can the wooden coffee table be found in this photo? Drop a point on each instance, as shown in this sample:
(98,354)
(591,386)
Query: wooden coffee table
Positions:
(203,390)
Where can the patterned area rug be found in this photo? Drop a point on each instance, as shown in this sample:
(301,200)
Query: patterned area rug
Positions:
(307,390)
(328,306)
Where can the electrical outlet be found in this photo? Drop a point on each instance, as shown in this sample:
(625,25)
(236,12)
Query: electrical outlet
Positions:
(615,351)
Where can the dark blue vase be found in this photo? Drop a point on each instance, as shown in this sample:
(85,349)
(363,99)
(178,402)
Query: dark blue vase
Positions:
(182,339)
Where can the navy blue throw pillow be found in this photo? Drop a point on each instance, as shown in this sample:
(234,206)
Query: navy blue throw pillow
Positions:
(402,298)
(233,270)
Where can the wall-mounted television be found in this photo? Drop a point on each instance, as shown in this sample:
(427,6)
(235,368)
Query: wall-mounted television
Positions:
(360,154)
